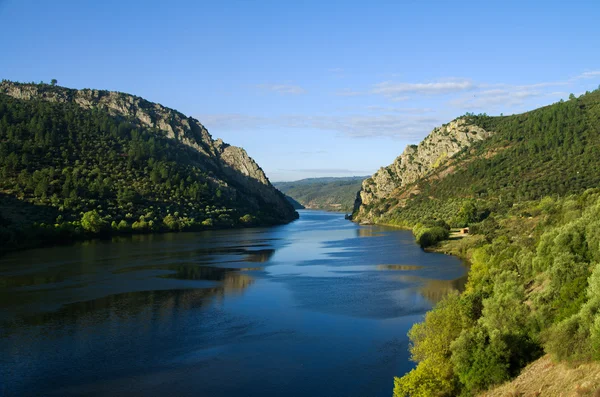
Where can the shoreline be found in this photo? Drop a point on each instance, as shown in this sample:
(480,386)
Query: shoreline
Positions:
(58,241)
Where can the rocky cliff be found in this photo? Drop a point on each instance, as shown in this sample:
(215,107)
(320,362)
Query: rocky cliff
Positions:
(231,166)
(417,161)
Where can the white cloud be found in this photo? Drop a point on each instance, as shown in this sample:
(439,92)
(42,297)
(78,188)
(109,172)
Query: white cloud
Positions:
(589,75)
(395,90)
(510,97)
(284,89)
(391,109)
(231,121)
(327,171)
(399,126)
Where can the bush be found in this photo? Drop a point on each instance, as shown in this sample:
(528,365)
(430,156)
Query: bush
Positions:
(428,236)
(92,222)
(430,347)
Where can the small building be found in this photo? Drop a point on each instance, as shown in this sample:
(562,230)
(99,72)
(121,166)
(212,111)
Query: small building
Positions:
(464,230)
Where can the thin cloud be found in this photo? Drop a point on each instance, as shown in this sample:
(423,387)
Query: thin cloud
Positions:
(283,89)
(516,96)
(391,109)
(397,126)
(589,75)
(326,171)
(232,121)
(395,90)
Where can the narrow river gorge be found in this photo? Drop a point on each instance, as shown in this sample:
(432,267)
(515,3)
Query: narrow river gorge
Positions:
(320,306)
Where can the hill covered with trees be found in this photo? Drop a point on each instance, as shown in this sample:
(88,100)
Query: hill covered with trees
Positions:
(548,151)
(330,194)
(528,190)
(88,162)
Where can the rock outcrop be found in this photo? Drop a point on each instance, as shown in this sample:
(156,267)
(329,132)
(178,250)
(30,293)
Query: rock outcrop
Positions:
(231,166)
(417,161)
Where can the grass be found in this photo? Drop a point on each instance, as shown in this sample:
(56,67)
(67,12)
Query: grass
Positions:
(545,378)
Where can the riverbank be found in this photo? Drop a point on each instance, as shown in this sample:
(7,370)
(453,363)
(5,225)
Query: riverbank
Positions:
(69,233)
(530,293)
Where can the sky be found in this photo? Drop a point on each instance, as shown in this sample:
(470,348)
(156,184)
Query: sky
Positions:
(312,88)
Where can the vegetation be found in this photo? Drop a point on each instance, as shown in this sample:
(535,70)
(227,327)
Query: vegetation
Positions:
(330,194)
(546,152)
(530,198)
(534,288)
(431,232)
(67,172)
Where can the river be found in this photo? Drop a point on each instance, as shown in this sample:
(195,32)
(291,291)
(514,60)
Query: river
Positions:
(319,307)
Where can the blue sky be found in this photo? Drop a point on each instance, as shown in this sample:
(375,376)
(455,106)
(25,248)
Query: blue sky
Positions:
(312,88)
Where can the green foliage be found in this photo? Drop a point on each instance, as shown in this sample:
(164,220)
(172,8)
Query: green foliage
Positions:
(171,222)
(520,300)
(489,228)
(92,222)
(430,348)
(547,152)
(62,159)
(427,236)
(331,194)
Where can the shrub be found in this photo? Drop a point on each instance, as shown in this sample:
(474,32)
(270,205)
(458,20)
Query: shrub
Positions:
(92,222)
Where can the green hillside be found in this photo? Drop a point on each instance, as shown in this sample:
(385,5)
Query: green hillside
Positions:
(530,196)
(67,171)
(330,194)
(551,151)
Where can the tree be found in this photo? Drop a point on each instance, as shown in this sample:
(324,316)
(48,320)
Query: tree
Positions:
(53,82)
(92,222)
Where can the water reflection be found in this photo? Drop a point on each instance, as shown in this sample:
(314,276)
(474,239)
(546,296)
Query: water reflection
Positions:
(369,231)
(309,308)
(43,280)
(259,256)
(158,305)
(399,267)
(435,290)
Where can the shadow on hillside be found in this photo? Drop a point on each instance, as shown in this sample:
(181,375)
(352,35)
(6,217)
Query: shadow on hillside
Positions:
(15,213)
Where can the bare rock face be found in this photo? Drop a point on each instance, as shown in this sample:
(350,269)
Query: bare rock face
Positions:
(416,162)
(237,172)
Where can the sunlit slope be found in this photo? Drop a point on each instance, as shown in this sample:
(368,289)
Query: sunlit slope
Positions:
(554,150)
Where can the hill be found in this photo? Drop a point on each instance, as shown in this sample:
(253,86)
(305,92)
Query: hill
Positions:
(526,187)
(330,194)
(488,161)
(295,204)
(77,162)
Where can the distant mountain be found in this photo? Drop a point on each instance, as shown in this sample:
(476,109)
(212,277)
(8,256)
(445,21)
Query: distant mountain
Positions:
(126,164)
(330,193)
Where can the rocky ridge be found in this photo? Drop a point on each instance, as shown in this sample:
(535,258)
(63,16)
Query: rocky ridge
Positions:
(417,161)
(234,169)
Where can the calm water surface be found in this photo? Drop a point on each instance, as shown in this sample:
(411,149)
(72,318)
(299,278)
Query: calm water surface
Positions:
(317,307)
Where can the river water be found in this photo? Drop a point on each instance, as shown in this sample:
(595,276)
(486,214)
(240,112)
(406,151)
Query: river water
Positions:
(319,307)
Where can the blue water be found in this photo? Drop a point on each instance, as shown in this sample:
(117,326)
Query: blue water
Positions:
(318,307)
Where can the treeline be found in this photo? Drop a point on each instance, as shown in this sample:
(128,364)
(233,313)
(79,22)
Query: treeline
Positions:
(67,171)
(331,194)
(551,151)
(534,287)
(529,195)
